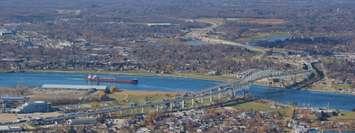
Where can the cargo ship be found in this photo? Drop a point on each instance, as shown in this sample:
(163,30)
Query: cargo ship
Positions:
(95,78)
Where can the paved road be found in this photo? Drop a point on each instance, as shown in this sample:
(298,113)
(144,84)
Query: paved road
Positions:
(202,34)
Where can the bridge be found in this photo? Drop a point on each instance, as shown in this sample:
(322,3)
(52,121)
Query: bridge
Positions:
(221,95)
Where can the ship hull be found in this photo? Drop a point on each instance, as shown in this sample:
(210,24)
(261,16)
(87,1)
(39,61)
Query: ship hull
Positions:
(114,81)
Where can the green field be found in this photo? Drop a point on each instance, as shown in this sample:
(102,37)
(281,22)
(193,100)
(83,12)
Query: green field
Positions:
(266,107)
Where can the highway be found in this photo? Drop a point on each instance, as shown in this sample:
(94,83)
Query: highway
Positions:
(202,34)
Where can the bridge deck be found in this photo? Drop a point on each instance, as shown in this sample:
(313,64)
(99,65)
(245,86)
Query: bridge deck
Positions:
(216,96)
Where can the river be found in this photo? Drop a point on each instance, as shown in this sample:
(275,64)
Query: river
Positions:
(154,83)
(165,83)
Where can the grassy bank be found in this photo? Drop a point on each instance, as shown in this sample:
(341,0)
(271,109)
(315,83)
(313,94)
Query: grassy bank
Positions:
(265,107)
(203,76)
(141,97)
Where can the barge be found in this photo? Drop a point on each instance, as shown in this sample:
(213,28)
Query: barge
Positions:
(95,78)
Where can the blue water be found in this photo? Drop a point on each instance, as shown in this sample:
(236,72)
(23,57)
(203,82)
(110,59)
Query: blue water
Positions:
(273,38)
(195,42)
(277,38)
(159,83)
(305,98)
(163,83)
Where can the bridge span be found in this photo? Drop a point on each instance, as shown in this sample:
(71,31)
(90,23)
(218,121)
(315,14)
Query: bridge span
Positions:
(232,92)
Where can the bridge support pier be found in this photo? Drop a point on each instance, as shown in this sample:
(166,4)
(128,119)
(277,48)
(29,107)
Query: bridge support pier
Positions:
(192,102)
(233,91)
(157,108)
(171,106)
(219,94)
(182,104)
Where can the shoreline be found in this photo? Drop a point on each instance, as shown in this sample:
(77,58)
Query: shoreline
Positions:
(140,92)
(199,76)
(308,89)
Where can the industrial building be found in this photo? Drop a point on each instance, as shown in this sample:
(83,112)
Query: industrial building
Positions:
(5,129)
(10,102)
(4,32)
(34,107)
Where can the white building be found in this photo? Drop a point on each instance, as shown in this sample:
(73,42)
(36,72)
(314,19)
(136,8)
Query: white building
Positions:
(83,87)
(4,32)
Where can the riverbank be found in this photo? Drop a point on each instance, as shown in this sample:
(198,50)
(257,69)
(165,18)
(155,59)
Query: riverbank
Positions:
(199,76)
(60,97)
(70,96)
(141,97)
(125,98)
(311,89)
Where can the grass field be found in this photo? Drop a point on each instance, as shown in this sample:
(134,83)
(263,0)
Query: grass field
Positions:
(345,117)
(126,97)
(261,36)
(264,106)
(7,117)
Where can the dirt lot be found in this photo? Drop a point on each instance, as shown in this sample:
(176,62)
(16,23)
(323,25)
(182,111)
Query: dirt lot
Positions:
(6,117)
(125,97)
(62,96)
(54,96)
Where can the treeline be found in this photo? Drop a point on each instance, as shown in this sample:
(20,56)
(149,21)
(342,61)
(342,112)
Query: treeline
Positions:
(342,70)
(312,45)
(158,58)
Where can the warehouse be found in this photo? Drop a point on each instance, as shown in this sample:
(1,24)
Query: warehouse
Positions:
(5,129)
(34,107)
(10,102)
